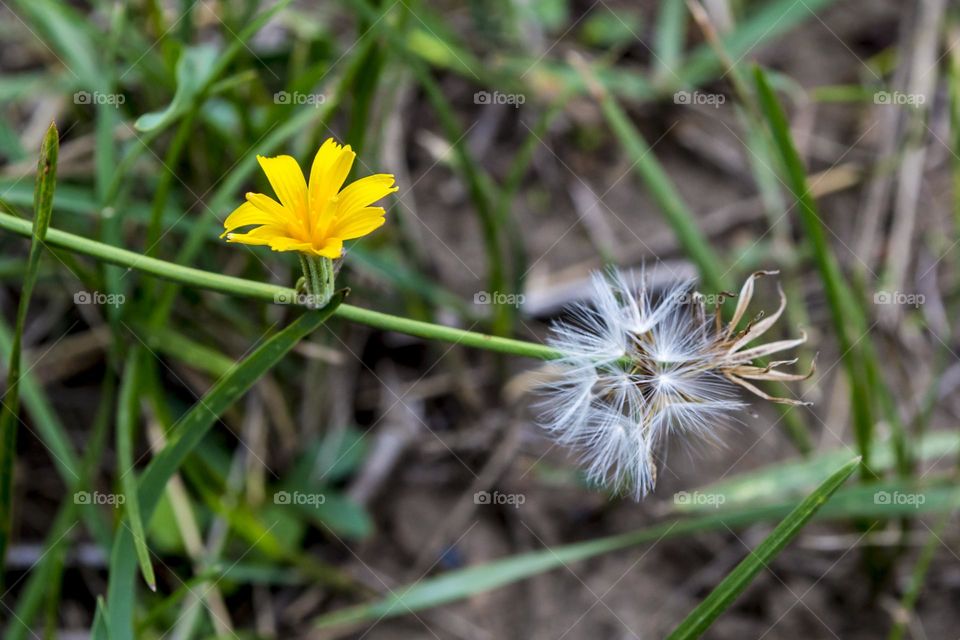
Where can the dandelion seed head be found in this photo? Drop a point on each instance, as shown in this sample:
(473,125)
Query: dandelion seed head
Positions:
(635,369)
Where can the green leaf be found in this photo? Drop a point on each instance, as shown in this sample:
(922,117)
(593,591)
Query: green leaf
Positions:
(611,28)
(671,30)
(737,580)
(100,630)
(182,439)
(9,413)
(789,478)
(663,190)
(66,31)
(199,66)
(844,312)
(194,71)
(127,414)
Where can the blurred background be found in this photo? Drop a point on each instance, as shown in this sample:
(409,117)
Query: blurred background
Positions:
(534,141)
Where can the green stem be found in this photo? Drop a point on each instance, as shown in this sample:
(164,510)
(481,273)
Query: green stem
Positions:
(272,293)
(318,278)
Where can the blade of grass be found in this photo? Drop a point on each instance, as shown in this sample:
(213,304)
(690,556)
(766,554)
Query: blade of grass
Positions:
(50,569)
(66,31)
(737,580)
(670,34)
(99,630)
(659,184)
(10,413)
(909,600)
(838,293)
(128,413)
(787,478)
(183,438)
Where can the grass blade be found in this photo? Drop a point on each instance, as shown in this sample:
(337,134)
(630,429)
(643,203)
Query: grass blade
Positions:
(182,439)
(670,34)
(127,414)
(9,414)
(463,583)
(661,187)
(737,580)
(843,311)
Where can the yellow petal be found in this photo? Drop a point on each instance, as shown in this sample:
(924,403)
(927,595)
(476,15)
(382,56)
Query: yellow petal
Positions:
(364,192)
(330,168)
(287,181)
(289,244)
(268,205)
(244,216)
(332,248)
(259,236)
(358,223)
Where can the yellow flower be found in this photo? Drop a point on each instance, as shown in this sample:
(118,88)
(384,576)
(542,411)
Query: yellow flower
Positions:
(313,219)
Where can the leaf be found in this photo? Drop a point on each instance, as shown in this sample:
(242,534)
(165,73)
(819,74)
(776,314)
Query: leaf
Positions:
(127,414)
(788,478)
(9,413)
(844,312)
(99,630)
(65,30)
(737,580)
(665,193)
(199,66)
(186,434)
(194,71)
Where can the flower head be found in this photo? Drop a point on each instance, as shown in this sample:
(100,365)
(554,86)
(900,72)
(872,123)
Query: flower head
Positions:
(635,370)
(316,217)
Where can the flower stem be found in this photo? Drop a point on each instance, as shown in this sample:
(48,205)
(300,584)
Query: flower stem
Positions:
(272,293)
(318,274)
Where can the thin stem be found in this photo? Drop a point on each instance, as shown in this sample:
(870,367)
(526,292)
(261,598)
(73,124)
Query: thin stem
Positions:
(271,293)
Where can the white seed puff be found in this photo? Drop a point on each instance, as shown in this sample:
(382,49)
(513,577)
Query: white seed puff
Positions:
(635,370)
